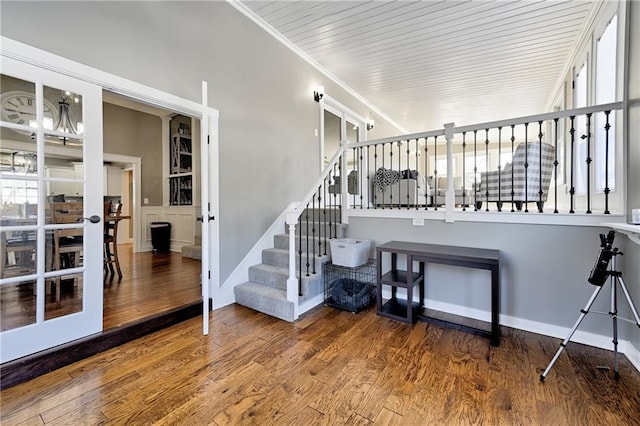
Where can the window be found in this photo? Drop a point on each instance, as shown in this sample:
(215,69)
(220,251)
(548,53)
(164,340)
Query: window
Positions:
(505,157)
(19,191)
(441,165)
(580,142)
(605,92)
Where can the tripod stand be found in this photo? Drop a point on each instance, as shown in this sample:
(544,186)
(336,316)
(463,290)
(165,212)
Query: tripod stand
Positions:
(599,277)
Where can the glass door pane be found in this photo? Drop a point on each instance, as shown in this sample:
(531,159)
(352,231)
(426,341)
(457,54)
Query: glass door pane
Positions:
(51,260)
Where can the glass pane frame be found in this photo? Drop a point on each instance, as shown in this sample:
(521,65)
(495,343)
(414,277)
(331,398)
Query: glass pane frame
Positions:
(85,317)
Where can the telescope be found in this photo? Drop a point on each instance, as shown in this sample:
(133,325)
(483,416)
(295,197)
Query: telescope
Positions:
(600,270)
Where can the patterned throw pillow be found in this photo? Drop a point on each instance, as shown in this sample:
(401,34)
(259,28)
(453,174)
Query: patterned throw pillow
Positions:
(385,177)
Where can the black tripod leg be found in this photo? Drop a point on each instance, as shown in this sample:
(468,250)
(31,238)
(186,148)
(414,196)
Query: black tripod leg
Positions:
(614,316)
(583,313)
(634,310)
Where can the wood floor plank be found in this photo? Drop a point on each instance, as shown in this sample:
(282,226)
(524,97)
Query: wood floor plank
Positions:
(332,368)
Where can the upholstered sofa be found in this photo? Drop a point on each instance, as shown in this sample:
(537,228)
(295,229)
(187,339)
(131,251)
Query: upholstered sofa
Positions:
(393,188)
(530,184)
(352,184)
(439,191)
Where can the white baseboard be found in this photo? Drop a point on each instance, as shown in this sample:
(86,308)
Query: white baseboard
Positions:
(223,298)
(633,353)
(309,304)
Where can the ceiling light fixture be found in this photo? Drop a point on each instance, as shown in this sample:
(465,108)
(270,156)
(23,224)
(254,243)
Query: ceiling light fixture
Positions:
(64,123)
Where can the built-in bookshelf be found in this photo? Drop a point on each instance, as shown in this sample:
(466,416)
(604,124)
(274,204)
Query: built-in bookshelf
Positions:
(181,171)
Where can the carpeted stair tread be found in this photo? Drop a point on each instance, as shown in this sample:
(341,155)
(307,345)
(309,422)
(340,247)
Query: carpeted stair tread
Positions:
(262,298)
(280,257)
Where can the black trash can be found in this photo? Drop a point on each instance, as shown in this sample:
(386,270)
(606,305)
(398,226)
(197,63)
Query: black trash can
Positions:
(161,237)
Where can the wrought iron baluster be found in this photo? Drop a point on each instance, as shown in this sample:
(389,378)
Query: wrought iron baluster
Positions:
(300,219)
(475,170)
(572,190)
(417,167)
(391,168)
(426,172)
(499,169)
(607,126)
(589,163)
(435,172)
(399,171)
(337,201)
(332,199)
(357,170)
(319,224)
(375,170)
(464,171)
(513,191)
(540,191)
(408,171)
(382,187)
(313,233)
(307,236)
(368,174)
(359,178)
(324,214)
(306,214)
(555,166)
(486,164)
(526,168)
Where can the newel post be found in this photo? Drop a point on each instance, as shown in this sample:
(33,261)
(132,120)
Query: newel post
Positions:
(292,281)
(450,193)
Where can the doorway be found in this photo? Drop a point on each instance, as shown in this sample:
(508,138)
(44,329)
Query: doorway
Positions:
(137,139)
(338,124)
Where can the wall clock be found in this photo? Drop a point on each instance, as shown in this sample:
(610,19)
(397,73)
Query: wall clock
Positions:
(20,108)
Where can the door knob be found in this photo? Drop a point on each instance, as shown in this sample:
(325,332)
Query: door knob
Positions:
(200,218)
(93,219)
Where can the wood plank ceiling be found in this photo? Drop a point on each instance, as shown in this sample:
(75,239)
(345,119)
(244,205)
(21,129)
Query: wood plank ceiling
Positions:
(425,63)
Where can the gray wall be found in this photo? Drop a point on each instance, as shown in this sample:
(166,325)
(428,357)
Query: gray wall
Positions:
(544,269)
(134,133)
(262,90)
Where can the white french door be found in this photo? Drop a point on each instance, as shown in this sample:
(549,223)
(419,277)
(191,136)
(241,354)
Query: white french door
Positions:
(50,151)
(209,205)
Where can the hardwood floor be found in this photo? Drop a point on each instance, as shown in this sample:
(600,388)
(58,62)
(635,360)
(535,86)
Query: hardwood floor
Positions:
(151,284)
(330,367)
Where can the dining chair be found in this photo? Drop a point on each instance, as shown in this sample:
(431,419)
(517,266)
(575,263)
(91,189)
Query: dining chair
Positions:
(111,240)
(17,253)
(68,244)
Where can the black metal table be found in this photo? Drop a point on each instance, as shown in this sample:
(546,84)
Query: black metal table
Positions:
(409,311)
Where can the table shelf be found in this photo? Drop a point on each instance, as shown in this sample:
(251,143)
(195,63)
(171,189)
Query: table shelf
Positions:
(397,309)
(399,277)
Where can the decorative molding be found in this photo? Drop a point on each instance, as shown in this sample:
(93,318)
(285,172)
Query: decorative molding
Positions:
(182,220)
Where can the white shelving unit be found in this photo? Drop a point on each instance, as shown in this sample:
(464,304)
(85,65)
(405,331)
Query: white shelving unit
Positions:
(181,171)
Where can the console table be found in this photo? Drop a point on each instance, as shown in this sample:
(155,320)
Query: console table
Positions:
(409,311)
